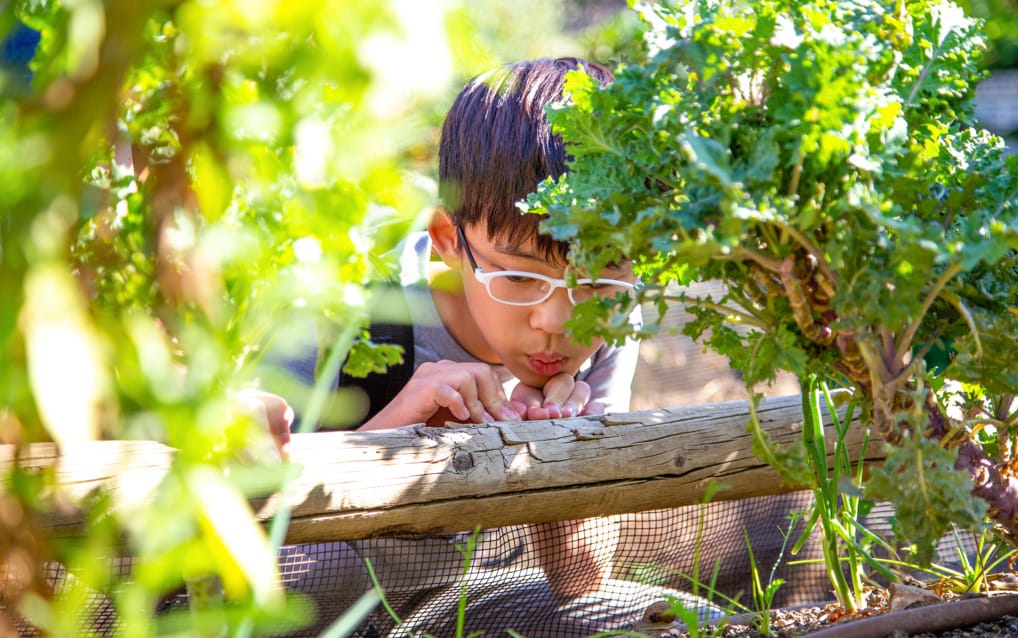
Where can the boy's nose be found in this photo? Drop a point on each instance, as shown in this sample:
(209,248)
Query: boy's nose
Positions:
(551,314)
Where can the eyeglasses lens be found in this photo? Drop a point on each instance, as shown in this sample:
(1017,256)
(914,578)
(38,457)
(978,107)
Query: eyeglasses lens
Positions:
(596,289)
(518,289)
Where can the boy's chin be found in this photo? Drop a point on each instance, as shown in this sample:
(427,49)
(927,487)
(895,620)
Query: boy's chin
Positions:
(528,376)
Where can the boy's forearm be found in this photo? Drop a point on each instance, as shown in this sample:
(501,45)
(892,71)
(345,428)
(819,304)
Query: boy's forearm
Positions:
(576,556)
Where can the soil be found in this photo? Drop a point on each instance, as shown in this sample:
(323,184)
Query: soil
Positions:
(877,621)
(789,623)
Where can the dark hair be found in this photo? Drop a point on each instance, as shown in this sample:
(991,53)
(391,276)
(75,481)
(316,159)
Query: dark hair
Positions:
(497,146)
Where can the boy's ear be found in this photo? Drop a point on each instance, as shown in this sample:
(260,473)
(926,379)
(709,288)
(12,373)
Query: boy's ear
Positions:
(443,238)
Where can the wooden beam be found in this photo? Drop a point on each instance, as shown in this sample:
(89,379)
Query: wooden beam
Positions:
(417,479)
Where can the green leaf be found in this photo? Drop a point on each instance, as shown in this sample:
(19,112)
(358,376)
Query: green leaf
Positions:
(709,156)
(930,495)
(247,561)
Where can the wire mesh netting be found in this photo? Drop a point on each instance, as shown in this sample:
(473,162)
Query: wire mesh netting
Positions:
(697,554)
(654,556)
(994,105)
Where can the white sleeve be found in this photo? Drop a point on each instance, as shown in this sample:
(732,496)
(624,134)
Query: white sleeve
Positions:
(610,375)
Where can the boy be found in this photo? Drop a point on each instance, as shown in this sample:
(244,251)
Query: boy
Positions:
(492,311)
(489,316)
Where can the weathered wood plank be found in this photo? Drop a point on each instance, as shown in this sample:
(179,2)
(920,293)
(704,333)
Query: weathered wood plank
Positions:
(429,480)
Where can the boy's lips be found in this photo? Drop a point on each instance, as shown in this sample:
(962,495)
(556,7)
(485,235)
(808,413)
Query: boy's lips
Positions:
(547,364)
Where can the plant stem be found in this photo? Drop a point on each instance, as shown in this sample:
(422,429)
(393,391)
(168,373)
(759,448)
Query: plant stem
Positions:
(905,341)
(831,507)
(461,604)
(812,249)
(737,315)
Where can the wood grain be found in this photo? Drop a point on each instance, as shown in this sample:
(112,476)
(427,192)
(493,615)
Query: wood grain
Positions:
(417,479)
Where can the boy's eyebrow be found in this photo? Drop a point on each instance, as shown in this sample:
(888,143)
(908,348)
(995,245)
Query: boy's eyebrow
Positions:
(510,250)
(514,251)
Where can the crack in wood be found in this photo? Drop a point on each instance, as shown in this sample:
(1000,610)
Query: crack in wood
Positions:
(532,452)
(594,435)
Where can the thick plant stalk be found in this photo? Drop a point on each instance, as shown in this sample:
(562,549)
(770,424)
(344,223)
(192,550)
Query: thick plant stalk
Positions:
(883,371)
(998,489)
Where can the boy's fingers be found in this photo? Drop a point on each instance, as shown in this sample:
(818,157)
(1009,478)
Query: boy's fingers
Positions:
(280,422)
(537,414)
(273,412)
(519,408)
(280,418)
(440,418)
(549,412)
(593,408)
(557,391)
(528,396)
(577,401)
(471,390)
(492,397)
(449,397)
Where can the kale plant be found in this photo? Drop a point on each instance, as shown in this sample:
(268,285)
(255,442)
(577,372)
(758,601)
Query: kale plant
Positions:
(820,159)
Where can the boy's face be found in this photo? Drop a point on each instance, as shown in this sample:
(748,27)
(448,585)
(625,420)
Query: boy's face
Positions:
(530,340)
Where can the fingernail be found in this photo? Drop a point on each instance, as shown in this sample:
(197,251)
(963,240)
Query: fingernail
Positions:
(509,414)
(554,409)
(488,418)
(569,409)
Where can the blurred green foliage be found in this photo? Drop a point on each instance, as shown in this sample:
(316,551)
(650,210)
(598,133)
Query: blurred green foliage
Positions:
(1001,27)
(183,186)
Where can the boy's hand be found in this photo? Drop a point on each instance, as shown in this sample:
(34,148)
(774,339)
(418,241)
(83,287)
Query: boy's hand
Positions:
(466,392)
(270,410)
(562,396)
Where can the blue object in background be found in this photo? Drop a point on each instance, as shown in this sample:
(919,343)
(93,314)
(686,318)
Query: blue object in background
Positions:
(19,46)
(16,51)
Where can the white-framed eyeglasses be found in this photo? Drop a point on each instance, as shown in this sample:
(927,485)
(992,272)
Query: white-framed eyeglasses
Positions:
(521,288)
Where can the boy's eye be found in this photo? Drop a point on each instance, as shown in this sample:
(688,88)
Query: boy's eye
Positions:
(604,289)
(519,279)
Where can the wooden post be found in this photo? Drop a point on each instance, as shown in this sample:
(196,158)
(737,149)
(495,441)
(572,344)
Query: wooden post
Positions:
(424,480)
